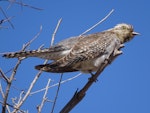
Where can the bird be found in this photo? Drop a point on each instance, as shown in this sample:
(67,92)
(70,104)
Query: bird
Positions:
(85,53)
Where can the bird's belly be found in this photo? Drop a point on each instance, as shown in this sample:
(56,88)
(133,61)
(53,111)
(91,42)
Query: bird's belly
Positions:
(90,65)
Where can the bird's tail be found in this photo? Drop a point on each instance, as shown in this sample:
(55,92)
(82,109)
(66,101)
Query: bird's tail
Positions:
(25,54)
(20,54)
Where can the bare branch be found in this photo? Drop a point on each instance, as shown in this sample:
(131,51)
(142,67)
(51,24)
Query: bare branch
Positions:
(4,20)
(57,93)
(34,38)
(7,18)
(64,81)
(44,97)
(4,76)
(28,92)
(23,4)
(3,95)
(9,85)
(98,22)
(1,90)
(20,97)
(14,73)
(12,107)
(53,35)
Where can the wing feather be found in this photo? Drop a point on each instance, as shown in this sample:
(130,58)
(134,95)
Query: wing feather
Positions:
(88,47)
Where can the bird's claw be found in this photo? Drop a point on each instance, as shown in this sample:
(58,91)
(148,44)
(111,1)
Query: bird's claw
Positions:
(91,78)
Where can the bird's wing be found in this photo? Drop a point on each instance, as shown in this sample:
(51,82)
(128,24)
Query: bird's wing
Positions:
(88,47)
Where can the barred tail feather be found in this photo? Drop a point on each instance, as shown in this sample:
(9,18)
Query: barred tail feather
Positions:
(20,54)
(47,53)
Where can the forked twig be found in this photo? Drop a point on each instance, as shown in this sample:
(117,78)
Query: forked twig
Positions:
(8,19)
(44,97)
(9,85)
(13,75)
(12,107)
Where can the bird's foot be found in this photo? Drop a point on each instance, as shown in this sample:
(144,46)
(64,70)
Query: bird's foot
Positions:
(91,78)
(118,51)
(121,46)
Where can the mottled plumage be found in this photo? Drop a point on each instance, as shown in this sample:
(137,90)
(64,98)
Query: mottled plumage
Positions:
(85,53)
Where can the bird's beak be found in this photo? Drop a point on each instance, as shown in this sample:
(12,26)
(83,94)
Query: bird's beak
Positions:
(135,33)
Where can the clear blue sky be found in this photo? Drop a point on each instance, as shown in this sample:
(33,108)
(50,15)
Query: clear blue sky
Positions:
(123,87)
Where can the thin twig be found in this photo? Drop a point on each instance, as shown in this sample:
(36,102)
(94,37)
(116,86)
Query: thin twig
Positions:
(57,93)
(3,95)
(98,23)
(11,79)
(4,76)
(67,80)
(28,92)
(5,20)
(34,38)
(6,17)
(53,35)
(12,107)
(20,97)
(44,97)
(23,4)
(1,90)
(9,85)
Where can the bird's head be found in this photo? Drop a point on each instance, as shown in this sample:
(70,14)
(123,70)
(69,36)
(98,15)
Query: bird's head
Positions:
(125,32)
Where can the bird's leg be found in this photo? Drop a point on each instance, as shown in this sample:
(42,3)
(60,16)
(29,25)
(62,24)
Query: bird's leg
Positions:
(91,73)
(91,78)
(107,60)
